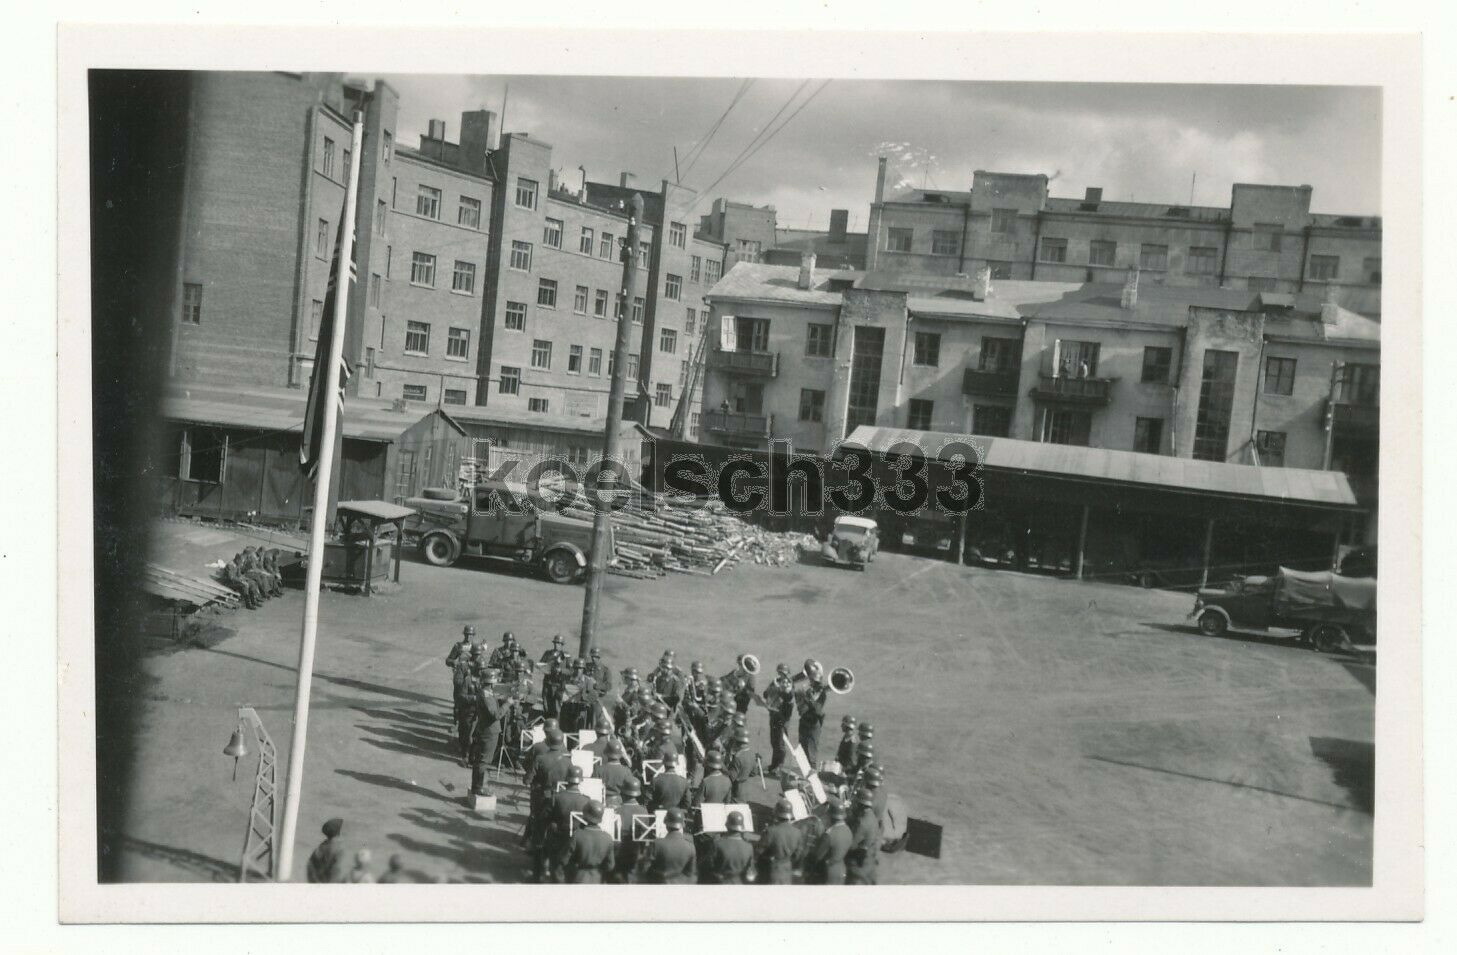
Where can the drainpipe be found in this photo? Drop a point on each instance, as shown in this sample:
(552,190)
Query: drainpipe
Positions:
(1036,238)
(965,226)
(1255,407)
(1224,252)
(1304,257)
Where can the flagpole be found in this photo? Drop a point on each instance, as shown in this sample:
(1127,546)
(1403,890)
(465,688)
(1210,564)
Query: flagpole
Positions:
(320,517)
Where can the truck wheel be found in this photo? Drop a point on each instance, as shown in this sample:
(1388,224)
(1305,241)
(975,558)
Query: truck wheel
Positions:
(560,567)
(1211,623)
(438,549)
(1328,638)
(1149,580)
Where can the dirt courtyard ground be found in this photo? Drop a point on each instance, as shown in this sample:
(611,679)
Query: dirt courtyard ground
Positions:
(1060,732)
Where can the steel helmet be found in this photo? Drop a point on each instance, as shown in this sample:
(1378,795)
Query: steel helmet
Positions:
(631,787)
(673,819)
(593,812)
(575,774)
(735,821)
(783,811)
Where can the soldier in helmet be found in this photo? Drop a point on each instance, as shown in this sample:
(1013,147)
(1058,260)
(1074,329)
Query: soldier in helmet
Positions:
(600,673)
(733,856)
(673,859)
(554,690)
(568,800)
(667,681)
(811,693)
(825,863)
(779,699)
(738,765)
(630,851)
(551,768)
(669,788)
(539,748)
(781,848)
(592,853)
(848,753)
(716,786)
(615,771)
(557,653)
(624,710)
(485,730)
(507,658)
(862,861)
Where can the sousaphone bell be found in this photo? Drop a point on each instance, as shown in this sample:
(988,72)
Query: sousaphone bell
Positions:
(749,663)
(842,680)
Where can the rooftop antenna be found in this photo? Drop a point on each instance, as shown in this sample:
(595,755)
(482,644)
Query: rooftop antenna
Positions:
(504,94)
(1192,179)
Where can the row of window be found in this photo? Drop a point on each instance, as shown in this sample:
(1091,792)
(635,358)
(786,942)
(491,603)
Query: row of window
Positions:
(417,341)
(422,274)
(450,396)
(428,202)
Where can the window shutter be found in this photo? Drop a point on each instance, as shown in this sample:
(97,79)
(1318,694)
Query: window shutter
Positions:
(727,333)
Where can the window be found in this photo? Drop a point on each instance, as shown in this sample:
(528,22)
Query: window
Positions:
(599,303)
(611,364)
(1279,376)
(604,248)
(316,317)
(673,287)
(1270,448)
(551,235)
(381,212)
(389,258)
(469,213)
(422,269)
(919,418)
(1200,260)
(417,338)
(1360,385)
(516,316)
(668,341)
(526,193)
(348,165)
(898,240)
(811,404)
(993,421)
(928,349)
(1004,220)
(632,367)
(427,202)
(644,251)
(1324,268)
(1216,402)
(463,279)
(321,239)
(192,303)
(695,268)
(1102,252)
(579,300)
(202,455)
(712,269)
(1077,359)
(683,373)
(374,284)
(457,343)
(1054,250)
(328,157)
(1372,267)
(819,340)
(574,360)
(414,392)
(546,293)
(637,310)
(1148,435)
(1154,257)
(1157,361)
(945,242)
(619,308)
(1067,427)
(520,255)
(594,362)
(690,323)
(389,145)
(749,249)
(678,234)
(751,334)
(693,423)
(1001,270)
(662,395)
(455,396)
(584,242)
(541,354)
(538,405)
(510,382)
(999,354)
(1267,236)
(577,454)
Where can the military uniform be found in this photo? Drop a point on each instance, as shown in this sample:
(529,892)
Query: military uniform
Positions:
(716,788)
(486,729)
(733,857)
(673,860)
(811,702)
(630,852)
(327,862)
(739,769)
(668,683)
(863,859)
(551,768)
(848,754)
(559,826)
(779,850)
(667,791)
(468,689)
(614,774)
(601,675)
(780,699)
(553,689)
(591,857)
(825,863)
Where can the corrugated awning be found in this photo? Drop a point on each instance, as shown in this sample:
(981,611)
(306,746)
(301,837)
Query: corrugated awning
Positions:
(1184,475)
(379,510)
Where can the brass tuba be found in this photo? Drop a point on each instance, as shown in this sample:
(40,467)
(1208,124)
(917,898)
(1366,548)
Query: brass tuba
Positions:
(749,663)
(842,680)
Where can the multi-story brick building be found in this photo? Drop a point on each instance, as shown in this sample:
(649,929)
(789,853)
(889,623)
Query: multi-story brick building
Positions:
(1213,374)
(1265,240)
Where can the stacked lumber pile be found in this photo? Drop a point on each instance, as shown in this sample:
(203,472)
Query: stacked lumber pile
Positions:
(658,535)
(185,588)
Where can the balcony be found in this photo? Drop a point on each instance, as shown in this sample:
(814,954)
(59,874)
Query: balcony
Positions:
(758,364)
(1351,418)
(1083,391)
(989,383)
(734,424)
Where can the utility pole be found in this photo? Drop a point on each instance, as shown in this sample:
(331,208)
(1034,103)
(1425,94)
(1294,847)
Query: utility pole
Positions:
(612,440)
(677,176)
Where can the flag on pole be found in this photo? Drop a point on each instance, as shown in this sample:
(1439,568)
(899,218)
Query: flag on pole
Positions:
(310,451)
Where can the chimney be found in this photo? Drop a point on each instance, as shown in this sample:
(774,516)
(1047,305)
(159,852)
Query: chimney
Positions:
(551,182)
(983,289)
(622,180)
(1094,194)
(1130,290)
(1330,309)
(839,224)
(437,129)
(478,136)
(807,270)
(880,181)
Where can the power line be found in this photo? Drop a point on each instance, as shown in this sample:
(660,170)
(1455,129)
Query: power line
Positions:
(762,131)
(696,152)
(776,131)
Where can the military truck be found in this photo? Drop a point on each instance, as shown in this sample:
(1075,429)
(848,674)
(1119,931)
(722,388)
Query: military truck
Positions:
(493,519)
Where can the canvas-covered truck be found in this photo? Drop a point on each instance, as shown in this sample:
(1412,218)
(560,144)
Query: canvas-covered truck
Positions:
(1329,611)
(476,522)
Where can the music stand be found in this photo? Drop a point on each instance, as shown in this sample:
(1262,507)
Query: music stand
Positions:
(817,789)
(713,816)
(585,760)
(798,808)
(648,828)
(797,751)
(610,823)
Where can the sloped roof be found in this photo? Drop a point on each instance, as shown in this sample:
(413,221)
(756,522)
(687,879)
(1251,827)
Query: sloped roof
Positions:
(1185,475)
(779,283)
(282,409)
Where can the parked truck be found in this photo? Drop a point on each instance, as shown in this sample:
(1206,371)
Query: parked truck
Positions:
(1328,610)
(477,522)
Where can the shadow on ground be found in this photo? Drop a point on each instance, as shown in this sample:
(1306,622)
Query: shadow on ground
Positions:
(213,870)
(1353,767)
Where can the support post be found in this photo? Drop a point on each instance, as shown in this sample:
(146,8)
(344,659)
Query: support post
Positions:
(612,440)
(961,543)
(1082,540)
(1208,550)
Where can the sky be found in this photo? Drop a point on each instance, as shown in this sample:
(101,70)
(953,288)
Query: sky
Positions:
(1138,141)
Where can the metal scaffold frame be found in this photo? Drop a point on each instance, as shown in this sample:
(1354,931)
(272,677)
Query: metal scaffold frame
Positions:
(259,845)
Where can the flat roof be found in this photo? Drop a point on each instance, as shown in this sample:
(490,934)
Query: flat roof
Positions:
(380,510)
(281,409)
(1185,475)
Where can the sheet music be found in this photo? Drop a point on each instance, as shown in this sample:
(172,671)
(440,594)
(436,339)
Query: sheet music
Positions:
(800,760)
(584,759)
(596,789)
(645,828)
(818,789)
(586,738)
(797,805)
(611,824)
(714,815)
(538,734)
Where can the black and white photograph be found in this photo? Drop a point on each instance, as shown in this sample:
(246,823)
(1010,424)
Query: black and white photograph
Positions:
(525,478)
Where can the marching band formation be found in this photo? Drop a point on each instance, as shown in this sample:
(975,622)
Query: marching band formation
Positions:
(650,782)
